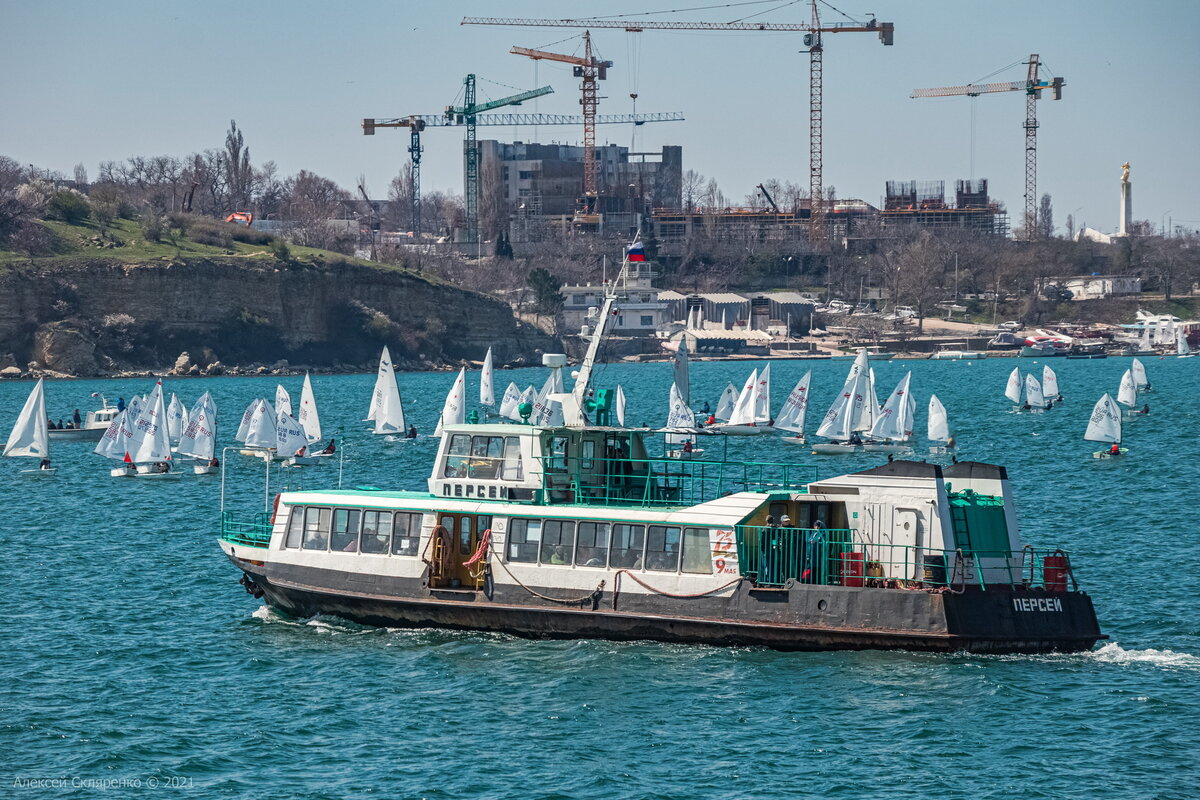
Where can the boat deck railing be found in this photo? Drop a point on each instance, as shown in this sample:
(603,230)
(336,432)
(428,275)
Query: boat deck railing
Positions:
(663,481)
(775,557)
(256,533)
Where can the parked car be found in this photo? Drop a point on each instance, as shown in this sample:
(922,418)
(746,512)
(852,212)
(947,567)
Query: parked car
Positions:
(1011,325)
(905,312)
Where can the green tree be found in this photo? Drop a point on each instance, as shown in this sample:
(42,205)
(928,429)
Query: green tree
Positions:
(71,207)
(546,296)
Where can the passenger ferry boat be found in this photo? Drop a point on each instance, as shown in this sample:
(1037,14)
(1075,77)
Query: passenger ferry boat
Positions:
(579,531)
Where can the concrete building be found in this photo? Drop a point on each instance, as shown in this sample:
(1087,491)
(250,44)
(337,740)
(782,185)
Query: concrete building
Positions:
(639,311)
(1096,287)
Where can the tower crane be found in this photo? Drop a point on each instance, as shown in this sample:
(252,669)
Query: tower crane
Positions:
(812,39)
(1032,86)
(417,123)
(590,69)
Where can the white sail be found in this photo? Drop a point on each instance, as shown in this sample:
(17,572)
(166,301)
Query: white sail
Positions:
(762,397)
(1144,343)
(619,406)
(1049,383)
(871,406)
(261,432)
(547,411)
(283,401)
(1139,374)
(115,441)
(847,409)
(895,418)
(134,408)
(389,409)
(795,407)
(743,409)
(1033,392)
(939,421)
(864,404)
(510,401)
(289,436)
(726,403)
(308,416)
(384,374)
(454,409)
(1127,394)
(199,438)
(247,415)
(1013,390)
(30,435)
(680,417)
(176,418)
(150,440)
(529,396)
(1105,422)
(487,393)
(1181,343)
(681,371)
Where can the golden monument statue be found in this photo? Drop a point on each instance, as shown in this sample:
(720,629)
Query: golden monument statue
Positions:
(1125,172)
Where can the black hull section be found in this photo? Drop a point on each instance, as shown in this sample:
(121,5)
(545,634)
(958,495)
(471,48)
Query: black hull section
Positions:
(802,617)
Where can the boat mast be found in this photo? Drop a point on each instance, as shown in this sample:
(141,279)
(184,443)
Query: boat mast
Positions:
(606,314)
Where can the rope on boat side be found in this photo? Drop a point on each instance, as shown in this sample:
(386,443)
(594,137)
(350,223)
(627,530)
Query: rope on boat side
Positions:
(572,601)
(644,585)
(958,560)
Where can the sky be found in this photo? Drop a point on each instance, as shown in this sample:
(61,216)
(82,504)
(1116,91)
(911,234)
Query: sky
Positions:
(85,82)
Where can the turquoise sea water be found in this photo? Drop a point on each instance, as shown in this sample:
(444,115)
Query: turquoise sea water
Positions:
(131,654)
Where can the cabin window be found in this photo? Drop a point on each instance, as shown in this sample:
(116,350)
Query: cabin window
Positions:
(524,536)
(628,542)
(376,532)
(592,547)
(406,533)
(512,470)
(457,456)
(464,537)
(588,454)
(486,455)
(344,538)
(697,551)
(316,528)
(295,527)
(558,452)
(558,541)
(662,548)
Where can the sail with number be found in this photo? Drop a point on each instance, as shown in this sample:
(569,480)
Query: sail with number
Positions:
(896,417)
(247,415)
(795,407)
(199,438)
(454,410)
(680,417)
(289,436)
(546,410)
(308,416)
(762,397)
(682,381)
(1013,390)
(383,374)
(743,409)
(176,418)
(261,431)
(30,435)
(1105,422)
(939,421)
(283,401)
(1033,392)
(487,392)
(115,441)
(150,441)
(1127,394)
(726,403)
(387,409)
(1139,375)
(847,410)
(1049,383)
(509,402)
(619,406)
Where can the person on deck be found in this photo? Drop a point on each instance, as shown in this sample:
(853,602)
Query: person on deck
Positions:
(1115,449)
(330,448)
(78,419)
(61,427)
(712,420)
(1146,408)
(49,423)
(215,462)
(45,464)
(705,409)
(855,439)
(412,432)
(687,446)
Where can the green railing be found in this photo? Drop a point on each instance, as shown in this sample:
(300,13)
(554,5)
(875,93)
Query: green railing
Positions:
(256,533)
(774,556)
(662,481)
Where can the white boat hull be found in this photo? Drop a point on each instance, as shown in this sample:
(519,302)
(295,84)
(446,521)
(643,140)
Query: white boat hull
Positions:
(39,473)
(685,454)
(203,469)
(793,440)
(77,434)
(835,449)
(122,472)
(1109,453)
(741,430)
(896,449)
(161,476)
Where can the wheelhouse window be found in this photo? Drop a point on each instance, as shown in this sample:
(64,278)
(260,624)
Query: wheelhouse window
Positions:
(662,548)
(344,538)
(512,469)
(487,454)
(406,533)
(464,537)
(697,551)
(524,536)
(376,532)
(457,456)
(295,528)
(592,547)
(587,455)
(316,528)
(558,541)
(628,542)
(558,452)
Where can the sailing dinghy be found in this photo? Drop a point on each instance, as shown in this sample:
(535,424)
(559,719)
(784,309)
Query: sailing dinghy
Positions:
(30,436)
(199,438)
(1013,389)
(1140,382)
(150,445)
(387,411)
(795,408)
(850,413)
(1050,385)
(751,415)
(939,428)
(1034,399)
(681,427)
(726,403)
(1182,349)
(1105,426)
(893,427)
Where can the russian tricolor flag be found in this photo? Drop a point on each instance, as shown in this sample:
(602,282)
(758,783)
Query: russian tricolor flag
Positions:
(636,252)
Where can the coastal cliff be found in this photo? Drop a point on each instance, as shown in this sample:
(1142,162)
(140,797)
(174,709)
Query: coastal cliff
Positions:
(100,315)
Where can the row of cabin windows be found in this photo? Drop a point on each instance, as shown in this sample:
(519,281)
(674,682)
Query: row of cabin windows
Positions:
(351,530)
(484,458)
(617,545)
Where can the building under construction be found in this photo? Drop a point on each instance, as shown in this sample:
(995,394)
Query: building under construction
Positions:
(923,203)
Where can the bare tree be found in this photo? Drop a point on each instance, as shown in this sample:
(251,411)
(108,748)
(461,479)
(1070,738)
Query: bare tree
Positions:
(693,187)
(239,175)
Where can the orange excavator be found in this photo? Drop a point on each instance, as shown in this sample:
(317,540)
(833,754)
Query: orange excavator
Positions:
(243,217)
